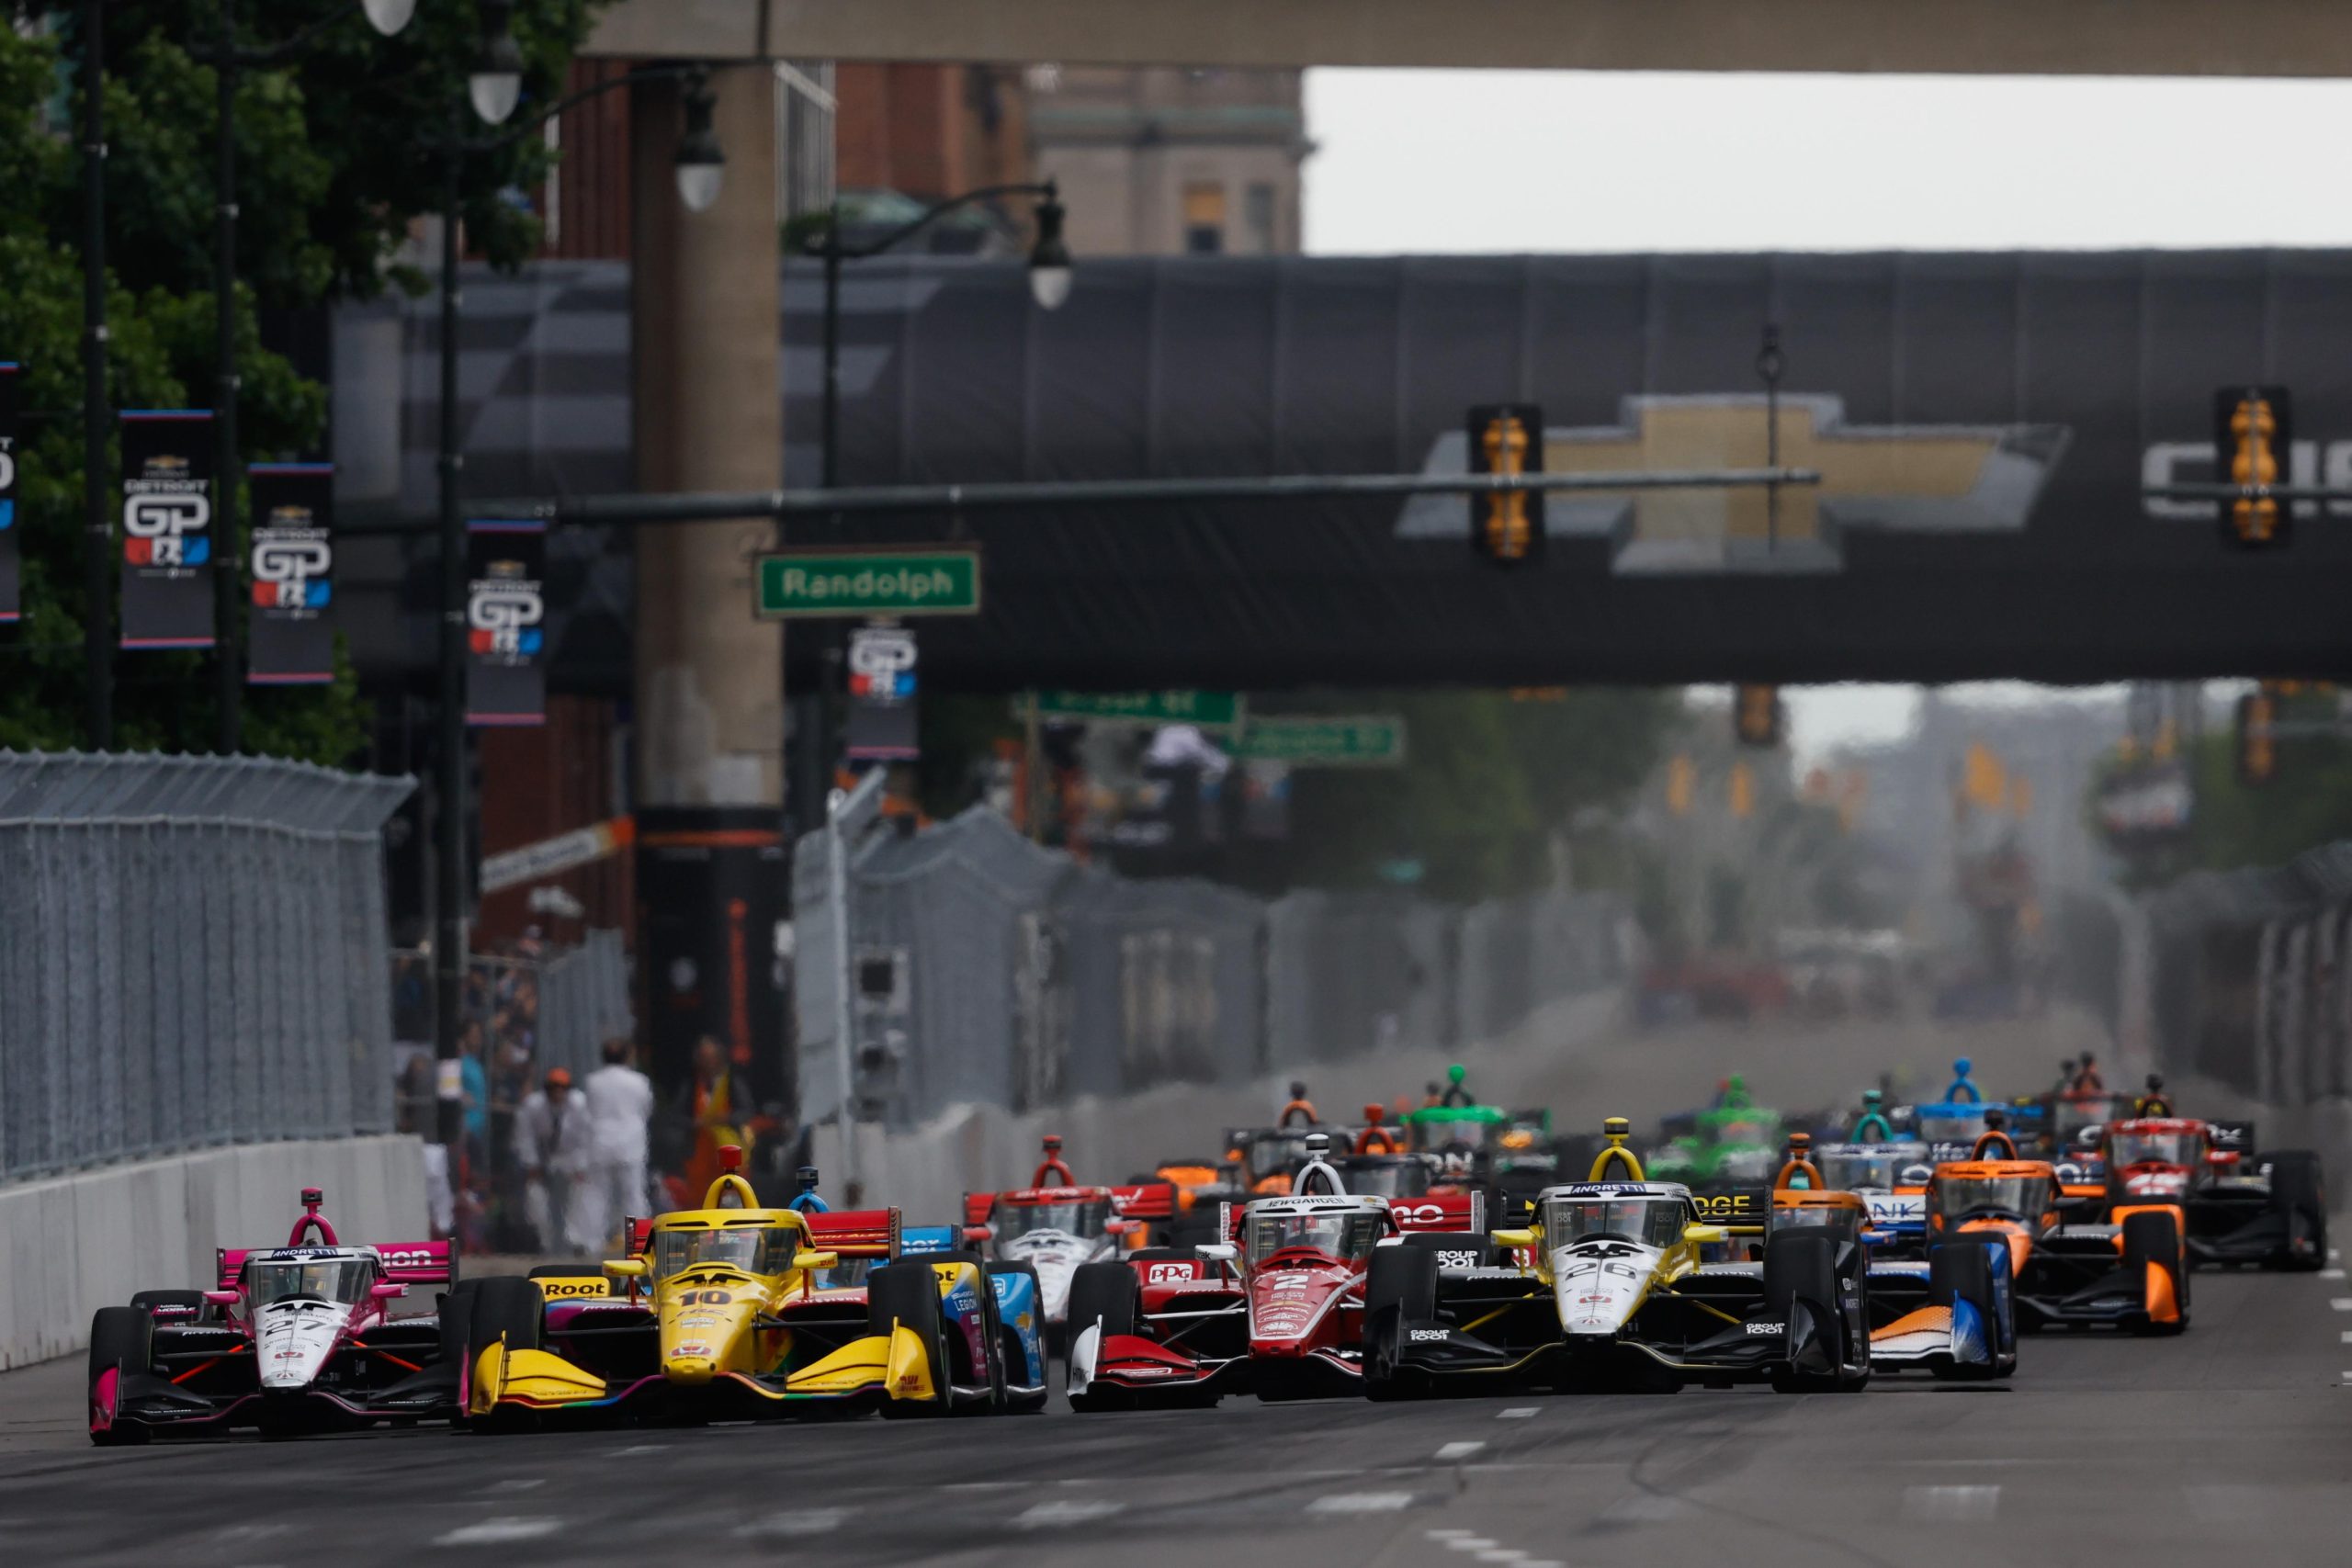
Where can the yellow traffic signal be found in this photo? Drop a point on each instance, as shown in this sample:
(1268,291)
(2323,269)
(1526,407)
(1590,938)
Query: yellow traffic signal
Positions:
(2254,439)
(1507,526)
(1743,791)
(2257,745)
(1681,782)
(1756,715)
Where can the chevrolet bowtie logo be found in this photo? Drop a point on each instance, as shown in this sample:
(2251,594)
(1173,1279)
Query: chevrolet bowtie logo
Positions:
(1918,478)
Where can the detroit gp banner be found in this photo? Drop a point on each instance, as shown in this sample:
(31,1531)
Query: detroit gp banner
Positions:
(9,570)
(506,681)
(166,528)
(291,634)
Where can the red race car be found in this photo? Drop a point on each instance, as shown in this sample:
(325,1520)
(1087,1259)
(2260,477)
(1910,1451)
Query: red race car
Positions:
(2239,1209)
(1274,1309)
(1057,1227)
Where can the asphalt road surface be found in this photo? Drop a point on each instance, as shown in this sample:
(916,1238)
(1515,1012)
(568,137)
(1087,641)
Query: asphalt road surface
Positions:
(2233,1443)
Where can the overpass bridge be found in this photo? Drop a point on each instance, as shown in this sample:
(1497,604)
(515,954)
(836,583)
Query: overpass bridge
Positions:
(1983,424)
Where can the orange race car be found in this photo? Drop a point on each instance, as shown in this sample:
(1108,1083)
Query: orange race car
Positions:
(2131,1271)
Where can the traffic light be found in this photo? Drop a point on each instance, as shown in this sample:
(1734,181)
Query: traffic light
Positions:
(2258,749)
(2253,441)
(1507,526)
(1756,715)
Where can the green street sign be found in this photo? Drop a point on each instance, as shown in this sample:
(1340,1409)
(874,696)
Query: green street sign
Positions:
(1205,710)
(1375,741)
(868,582)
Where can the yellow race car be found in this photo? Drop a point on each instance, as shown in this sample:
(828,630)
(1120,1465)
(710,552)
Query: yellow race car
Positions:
(728,1312)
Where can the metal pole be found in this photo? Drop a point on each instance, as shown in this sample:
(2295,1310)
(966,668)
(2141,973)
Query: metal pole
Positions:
(97,532)
(450,891)
(820,740)
(224,407)
(837,909)
(830,428)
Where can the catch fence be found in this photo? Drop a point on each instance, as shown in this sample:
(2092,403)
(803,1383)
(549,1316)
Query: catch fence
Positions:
(985,970)
(198,955)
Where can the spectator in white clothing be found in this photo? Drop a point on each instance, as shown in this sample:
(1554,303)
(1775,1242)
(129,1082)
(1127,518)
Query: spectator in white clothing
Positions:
(620,1104)
(551,1145)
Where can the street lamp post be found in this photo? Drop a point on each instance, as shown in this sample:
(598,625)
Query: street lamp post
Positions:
(97,530)
(1049,285)
(494,86)
(388,17)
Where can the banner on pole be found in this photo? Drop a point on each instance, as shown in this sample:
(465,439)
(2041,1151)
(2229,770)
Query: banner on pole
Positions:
(11,571)
(882,723)
(168,528)
(506,681)
(291,641)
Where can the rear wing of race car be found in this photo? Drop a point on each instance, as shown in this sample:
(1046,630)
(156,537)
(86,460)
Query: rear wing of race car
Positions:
(2232,1143)
(405,1262)
(1740,1208)
(856,1232)
(1145,1201)
(979,1207)
(1447,1212)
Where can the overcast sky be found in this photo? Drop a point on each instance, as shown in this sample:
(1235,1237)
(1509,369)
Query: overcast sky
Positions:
(1541,161)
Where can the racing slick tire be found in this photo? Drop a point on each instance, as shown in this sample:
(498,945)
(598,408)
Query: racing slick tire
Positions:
(454,1312)
(501,1307)
(1802,1267)
(993,1375)
(2299,1199)
(150,1302)
(908,1294)
(1963,1272)
(120,1336)
(1108,1294)
(1400,1287)
(1010,1353)
(2152,1240)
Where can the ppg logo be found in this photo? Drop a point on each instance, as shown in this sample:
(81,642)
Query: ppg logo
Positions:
(283,570)
(504,617)
(158,526)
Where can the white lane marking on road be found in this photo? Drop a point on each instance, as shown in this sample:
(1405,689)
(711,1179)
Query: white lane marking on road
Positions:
(1056,1516)
(641,1449)
(984,1486)
(2341,1303)
(1459,1450)
(517,1484)
(1449,1535)
(1952,1504)
(1501,1555)
(2330,1273)
(1517,1413)
(795,1521)
(2345,1337)
(1361,1503)
(497,1532)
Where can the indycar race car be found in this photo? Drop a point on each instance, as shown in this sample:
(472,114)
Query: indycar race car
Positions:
(1617,1299)
(292,1339)
(730,1312)
(1890,1178)
(1055,1226)
(2234,1208)
(2130,1271)
(1275,1308)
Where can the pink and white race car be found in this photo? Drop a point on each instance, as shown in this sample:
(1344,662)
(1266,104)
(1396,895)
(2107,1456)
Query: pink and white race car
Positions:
(298,1337)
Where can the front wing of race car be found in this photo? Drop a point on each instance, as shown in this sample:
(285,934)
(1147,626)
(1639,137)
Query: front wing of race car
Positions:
(1922,1321)
(1158,1367)
(200,1382)
(2081,1275)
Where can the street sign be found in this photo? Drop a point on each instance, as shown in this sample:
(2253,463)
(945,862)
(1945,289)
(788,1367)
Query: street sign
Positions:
(1202,710)
(1373,741)
(868,582)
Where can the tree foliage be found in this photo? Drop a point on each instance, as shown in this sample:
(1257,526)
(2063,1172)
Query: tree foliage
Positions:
(334,167)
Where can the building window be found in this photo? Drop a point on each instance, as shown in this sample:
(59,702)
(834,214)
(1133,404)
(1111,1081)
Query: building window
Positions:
(1204,219)
(1259,213)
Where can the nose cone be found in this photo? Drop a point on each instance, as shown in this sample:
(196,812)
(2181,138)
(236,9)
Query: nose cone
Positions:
(691,1370)
(293,1341)
(703,1332)
(1596,1294)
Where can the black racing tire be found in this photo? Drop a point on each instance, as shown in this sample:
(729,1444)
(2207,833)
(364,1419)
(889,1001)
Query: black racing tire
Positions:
(1111,1294)
(1399,1287)
(958,1350)
(1802,1267)
(2151,1240)
(1963,1272)
(121,1336)
(190,1301)
(1010,1352)
(907,1295)
(454,1312)
(505,1306)
(566,1270)
(2298,1196)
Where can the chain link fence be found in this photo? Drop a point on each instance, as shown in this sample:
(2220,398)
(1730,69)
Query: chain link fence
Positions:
(200,957)
(985,970)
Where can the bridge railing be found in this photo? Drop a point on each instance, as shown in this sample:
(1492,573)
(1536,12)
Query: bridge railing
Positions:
(197,956)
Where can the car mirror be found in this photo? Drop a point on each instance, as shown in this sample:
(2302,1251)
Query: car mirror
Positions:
(221,1298)
(625,1268)
(386,1289)
(1217,1252)
(979,1236)
(1511,1241)
(1116,1226)
(806,1261)
(1702,1236)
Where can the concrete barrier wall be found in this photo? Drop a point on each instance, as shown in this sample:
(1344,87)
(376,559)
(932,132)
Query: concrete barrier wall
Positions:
(81,1242)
